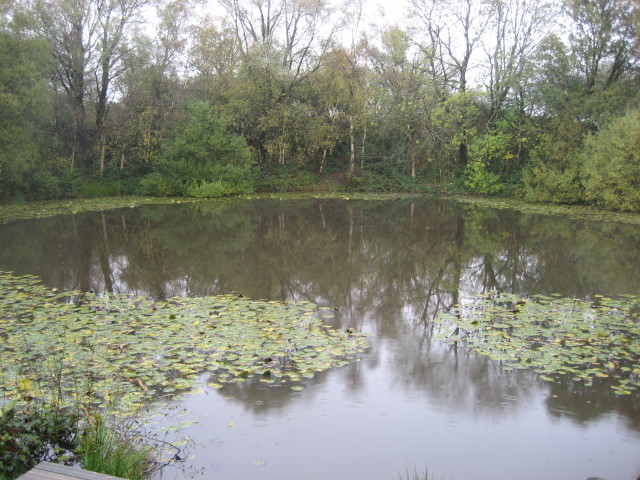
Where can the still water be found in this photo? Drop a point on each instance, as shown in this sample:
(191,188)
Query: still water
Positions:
(386,268)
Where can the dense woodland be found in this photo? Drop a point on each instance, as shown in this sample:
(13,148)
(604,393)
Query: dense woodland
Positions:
(530,98)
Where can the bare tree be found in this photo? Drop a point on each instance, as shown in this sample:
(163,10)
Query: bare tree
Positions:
(256,21)
(282,44)
(452,33)
(403,89)
(516,29)
(293,34)
(354,13)
(453,30)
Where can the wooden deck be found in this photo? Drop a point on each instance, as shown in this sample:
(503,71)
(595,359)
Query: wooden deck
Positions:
(53,471)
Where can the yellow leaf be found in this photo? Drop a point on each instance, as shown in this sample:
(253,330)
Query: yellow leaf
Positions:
(25,385)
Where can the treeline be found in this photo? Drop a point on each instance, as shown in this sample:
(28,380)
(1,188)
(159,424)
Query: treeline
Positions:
(513,97)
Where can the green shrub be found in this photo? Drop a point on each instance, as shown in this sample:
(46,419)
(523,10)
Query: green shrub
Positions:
(478,179)
(208,189)
(99,189)
(491,159)
(611,165)
(217,188)
(31,181)
(43,432)
(554,172)
(42,185)
(384,182)
(154,184)
(286,179)
(29,436)
(547,183)
(239,179)
(201,151)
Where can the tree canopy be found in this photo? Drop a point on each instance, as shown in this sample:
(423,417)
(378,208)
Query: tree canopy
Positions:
(513,97)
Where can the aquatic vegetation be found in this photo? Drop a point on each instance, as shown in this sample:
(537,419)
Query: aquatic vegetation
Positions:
(90,348)
(414,474)
(579,212)
(586,340)
(12,212)
(119,451)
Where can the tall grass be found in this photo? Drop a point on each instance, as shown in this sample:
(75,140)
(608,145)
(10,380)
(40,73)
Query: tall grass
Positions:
(414,475)
(115,450)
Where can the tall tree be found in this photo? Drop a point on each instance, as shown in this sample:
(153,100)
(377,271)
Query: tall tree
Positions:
(294,34)
(516,29)
(70,27)
(115,19)
(26,114)
(151,89)
(88,38)
(215,57)
(452,33)
(602,38)
(402,95)
(282,43)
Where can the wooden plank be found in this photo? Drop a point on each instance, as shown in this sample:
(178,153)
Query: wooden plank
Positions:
(74,472)
(54,471)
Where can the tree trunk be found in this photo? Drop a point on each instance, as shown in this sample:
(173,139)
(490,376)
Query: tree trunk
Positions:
(463,153)
(411,150)
(103,151)
(80,141)
(364,140)
(352,157)
(324,157)
(103,254)
(74,144)
(75,89)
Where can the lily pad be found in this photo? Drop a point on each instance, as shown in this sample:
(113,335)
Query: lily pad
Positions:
(12,212)
(589,340)
(97,349)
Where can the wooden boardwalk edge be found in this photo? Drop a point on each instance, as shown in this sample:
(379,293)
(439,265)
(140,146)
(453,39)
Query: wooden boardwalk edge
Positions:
(53,471)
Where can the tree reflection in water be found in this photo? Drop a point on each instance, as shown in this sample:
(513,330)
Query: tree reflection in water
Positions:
(384,267)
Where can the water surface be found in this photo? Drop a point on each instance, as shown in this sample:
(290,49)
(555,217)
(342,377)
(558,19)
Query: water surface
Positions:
(386,268)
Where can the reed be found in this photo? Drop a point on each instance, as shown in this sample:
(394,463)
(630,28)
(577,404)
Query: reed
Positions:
(114,449)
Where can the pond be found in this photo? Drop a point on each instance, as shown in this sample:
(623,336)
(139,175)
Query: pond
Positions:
(413,399)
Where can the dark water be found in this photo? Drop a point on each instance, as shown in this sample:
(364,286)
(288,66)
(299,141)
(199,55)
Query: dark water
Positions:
(388,268)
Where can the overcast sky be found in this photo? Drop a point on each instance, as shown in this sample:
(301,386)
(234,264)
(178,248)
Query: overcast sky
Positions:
(376,11)
(393,10)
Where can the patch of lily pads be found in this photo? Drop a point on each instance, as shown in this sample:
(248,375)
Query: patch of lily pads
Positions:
(50,208)
(594,340)
(578,212)
(24,211)
(133,350)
